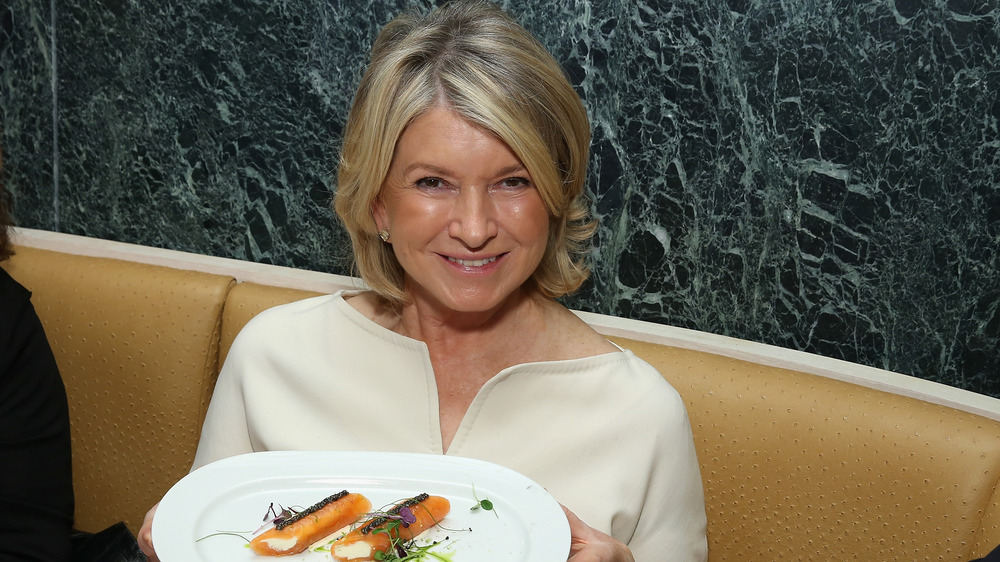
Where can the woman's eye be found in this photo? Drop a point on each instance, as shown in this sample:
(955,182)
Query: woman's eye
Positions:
(515,183)
(430,183)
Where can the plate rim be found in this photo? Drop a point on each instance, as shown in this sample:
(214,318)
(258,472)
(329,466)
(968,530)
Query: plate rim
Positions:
(555,530)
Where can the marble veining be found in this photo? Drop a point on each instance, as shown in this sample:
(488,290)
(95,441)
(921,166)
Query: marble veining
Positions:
(816,175)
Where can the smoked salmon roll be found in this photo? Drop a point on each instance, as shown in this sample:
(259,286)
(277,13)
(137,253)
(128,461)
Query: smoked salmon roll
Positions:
(295,534)
(379,534)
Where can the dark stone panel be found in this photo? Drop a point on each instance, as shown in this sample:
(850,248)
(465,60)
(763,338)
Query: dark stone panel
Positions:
(818,176)
(26,111)
(209,126)
(826,178)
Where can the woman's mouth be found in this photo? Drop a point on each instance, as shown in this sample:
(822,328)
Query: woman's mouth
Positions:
(472,263)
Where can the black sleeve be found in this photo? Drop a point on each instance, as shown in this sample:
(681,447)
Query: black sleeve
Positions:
(36,487)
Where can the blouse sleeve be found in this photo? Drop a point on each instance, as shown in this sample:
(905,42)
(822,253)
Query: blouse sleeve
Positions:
(36,486)
(225,432)
(673,523)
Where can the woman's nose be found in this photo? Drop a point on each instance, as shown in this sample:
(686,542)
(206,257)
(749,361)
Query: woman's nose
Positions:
(473,219)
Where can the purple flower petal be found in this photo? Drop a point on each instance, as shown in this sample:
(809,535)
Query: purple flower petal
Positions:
(407,516)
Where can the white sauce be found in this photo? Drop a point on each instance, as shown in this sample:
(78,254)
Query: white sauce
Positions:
(280,544)
(360,549)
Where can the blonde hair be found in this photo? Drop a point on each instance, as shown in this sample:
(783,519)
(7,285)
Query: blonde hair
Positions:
(472,58)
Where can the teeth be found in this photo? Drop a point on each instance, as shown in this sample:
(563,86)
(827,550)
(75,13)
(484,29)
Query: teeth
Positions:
(473,263)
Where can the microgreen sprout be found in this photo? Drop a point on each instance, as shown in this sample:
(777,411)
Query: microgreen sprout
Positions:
(415,554)
(391,521)
(225,533)
(401,516)
(484,504)
(274,517)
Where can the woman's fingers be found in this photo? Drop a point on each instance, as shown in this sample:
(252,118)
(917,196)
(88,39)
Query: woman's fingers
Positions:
(145,538)
(587,544)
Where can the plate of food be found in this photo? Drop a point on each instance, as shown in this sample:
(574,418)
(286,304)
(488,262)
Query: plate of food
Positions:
(355,506)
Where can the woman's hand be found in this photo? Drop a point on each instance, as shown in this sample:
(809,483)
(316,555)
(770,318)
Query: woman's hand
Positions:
(145,537)
(587,544)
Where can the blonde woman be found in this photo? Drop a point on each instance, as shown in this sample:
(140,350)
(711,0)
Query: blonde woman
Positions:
(461,182)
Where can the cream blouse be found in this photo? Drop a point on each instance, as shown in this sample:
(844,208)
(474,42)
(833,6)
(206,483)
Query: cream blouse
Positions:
(606,435)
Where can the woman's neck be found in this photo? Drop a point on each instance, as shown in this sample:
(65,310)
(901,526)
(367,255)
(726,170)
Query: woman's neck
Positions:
(475,334)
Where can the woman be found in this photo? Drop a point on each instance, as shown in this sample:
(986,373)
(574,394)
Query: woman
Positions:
(461,182)
(36,484)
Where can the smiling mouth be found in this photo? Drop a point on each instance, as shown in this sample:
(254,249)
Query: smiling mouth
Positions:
(472,263)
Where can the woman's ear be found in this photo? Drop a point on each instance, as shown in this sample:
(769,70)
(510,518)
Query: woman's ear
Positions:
(380,215)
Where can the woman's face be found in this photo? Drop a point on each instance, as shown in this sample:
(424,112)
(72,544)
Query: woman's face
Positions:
(465,220)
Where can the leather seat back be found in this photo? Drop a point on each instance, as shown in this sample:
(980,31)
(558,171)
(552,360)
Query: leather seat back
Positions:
(137,347)
(803,467)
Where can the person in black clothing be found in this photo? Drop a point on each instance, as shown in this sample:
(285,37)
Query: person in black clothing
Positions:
(36,487)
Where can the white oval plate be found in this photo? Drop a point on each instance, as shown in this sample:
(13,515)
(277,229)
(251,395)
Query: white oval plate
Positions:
(232,495)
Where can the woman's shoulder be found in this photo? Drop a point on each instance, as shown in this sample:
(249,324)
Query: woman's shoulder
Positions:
(566,336)
(296,311)
(16,301)
(332,318)
(630,376)
(299,329)
(624,378)
(289,319)
(11,289)
(651,388)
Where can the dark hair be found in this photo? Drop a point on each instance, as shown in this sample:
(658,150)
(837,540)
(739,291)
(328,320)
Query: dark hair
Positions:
(6,249)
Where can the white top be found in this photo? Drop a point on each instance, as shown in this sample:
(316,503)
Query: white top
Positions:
(606,435)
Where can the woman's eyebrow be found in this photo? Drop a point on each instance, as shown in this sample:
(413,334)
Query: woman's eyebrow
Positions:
(426,167)
(445,172)
(511,170)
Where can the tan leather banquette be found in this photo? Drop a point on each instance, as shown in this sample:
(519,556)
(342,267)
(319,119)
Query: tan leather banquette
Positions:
(802,457)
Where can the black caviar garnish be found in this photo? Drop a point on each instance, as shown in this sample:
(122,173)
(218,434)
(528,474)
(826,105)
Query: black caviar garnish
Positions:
(309,510)
(381,519)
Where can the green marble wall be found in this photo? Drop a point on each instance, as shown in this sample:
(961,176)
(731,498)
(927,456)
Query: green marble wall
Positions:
(816,175)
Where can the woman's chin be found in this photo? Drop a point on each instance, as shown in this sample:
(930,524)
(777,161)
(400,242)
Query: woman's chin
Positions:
(476,301)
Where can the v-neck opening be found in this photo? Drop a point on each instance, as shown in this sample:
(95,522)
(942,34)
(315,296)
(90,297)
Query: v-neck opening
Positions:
(420,348)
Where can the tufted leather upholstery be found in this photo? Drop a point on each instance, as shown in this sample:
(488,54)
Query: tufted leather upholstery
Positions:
(137,346)
(802,467)
(795,466)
